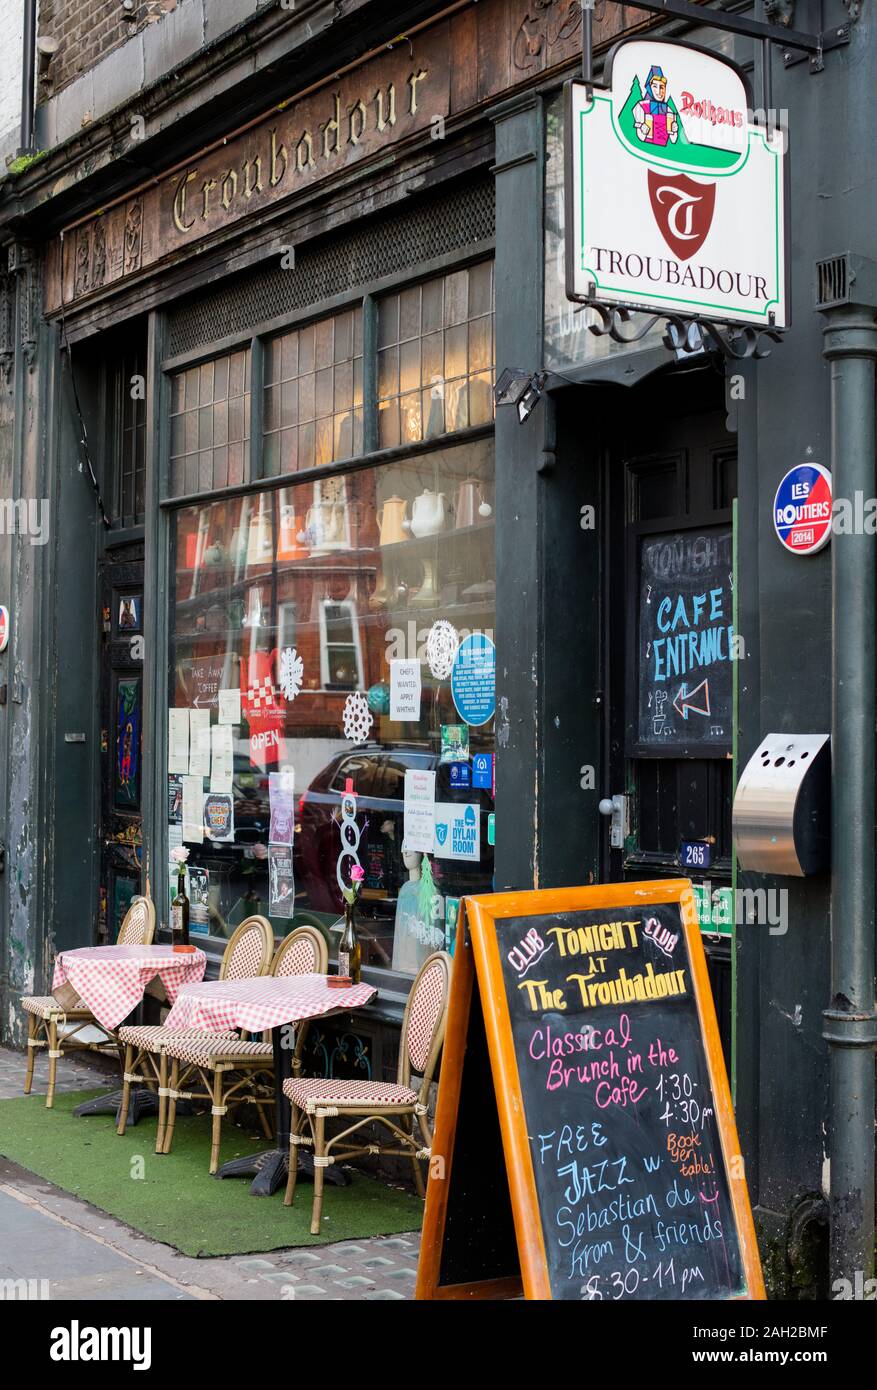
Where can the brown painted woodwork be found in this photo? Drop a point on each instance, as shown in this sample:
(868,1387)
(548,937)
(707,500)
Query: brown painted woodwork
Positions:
(443,71)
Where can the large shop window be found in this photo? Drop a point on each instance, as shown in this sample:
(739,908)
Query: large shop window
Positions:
(287,608)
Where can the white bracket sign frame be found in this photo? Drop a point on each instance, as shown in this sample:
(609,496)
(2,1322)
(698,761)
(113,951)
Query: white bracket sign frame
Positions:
(676,197)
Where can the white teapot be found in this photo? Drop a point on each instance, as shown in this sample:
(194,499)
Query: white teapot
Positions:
(428,514)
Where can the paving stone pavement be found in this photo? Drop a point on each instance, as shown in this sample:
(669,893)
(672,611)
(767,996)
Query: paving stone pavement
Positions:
(101,1252)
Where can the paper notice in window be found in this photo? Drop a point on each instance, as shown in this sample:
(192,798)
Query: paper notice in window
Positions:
(199,742)
(405,690)
(193,810)
(282,803)
(178,741)
(230,706)
(419,822)
(222,765)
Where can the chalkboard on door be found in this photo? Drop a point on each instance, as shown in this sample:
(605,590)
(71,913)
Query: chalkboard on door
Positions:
(684,643)
(623,1167)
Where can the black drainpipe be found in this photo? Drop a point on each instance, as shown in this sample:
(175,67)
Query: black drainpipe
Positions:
(850,1021)
(28,69)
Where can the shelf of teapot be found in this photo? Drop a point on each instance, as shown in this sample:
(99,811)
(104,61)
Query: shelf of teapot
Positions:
(452,533)
(432,611)
(327,559)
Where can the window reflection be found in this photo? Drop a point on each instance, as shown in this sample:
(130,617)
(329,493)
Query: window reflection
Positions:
(210,425)
(313,395)
(435,357)
(298,598)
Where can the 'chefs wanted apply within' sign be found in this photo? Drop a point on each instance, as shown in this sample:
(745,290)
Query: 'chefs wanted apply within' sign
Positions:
(676,201)
(585,1145)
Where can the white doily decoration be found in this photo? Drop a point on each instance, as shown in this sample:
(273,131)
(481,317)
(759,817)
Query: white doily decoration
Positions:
(442,645)
(292,671)
(357,718)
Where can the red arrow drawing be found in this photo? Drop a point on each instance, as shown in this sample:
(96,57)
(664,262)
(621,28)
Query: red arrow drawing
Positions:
(685,701)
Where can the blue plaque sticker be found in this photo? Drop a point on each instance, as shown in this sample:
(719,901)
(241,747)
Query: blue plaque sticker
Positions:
(473,679)
(482,771)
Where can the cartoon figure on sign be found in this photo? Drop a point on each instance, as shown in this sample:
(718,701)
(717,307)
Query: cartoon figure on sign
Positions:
(656,122)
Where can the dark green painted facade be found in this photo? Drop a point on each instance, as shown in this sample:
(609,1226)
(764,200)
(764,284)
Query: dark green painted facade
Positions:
(551,680)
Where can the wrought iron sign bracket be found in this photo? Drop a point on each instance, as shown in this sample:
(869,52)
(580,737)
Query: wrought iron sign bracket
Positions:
(686,336)
(795,44)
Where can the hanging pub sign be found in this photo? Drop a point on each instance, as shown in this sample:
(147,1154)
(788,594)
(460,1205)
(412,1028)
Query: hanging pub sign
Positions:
(676,199)
(585,1146)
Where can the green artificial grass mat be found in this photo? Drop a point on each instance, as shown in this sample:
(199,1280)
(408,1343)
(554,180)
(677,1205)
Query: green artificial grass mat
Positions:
(172,1197)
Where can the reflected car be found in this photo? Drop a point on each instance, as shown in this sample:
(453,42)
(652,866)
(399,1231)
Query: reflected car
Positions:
(376,775)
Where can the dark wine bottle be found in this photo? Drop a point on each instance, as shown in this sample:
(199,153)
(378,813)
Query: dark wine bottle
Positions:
(180,912)
(350,951)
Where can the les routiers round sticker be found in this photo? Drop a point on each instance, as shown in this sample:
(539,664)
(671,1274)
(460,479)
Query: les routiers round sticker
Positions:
(802,509)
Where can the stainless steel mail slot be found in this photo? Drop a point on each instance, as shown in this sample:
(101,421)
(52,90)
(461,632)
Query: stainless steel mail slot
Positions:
(782,806)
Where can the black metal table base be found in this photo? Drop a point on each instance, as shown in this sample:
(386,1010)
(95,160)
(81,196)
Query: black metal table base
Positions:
(142,1102)
(270,1169)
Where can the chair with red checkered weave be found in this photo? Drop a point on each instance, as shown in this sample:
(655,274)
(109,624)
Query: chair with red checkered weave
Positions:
(240,1073)
(392,1104)
(247,956)
(62,1029)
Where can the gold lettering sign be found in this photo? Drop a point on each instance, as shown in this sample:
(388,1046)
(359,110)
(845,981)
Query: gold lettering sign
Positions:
(412,89)
(299,148)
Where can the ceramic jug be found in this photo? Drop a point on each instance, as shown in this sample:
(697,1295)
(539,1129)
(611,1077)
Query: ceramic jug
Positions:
(322,526)
(428,515)
(393,521)
(260,547)
(470,506)
(289,547)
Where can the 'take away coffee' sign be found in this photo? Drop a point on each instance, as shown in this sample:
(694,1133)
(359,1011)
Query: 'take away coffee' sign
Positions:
(676,198)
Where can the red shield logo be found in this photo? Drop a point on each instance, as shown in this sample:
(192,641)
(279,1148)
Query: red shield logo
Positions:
(683,211)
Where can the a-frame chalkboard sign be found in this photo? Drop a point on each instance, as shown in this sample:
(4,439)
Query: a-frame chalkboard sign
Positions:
(585,1145)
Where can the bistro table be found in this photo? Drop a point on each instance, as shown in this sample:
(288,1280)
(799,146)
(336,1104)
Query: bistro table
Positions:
(111,981)
(256,1005)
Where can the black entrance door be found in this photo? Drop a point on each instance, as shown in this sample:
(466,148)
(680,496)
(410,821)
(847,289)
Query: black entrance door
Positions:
(669,649)
(121,743)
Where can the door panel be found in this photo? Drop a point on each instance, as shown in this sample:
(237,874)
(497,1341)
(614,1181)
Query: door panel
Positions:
(671,481)
(121,715)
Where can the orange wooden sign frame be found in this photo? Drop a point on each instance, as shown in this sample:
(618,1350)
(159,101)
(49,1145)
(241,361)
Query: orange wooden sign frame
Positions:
(477,965)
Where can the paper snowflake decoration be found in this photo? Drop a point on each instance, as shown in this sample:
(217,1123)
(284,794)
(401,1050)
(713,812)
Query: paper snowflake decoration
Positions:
(357,718)
(441,648)
(292,672)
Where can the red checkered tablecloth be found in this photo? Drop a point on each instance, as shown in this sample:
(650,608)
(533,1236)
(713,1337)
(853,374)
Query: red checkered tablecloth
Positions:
(112,979)
(263,1003)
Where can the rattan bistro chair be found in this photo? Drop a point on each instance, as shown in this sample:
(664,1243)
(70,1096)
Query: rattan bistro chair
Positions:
(247,956)
(392,1104)
(60,1029)
(240,1073)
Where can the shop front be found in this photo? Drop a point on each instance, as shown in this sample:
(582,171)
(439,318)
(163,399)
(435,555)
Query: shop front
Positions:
(290,409)
(350,612)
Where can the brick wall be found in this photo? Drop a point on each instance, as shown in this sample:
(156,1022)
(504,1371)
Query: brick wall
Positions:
(87,30)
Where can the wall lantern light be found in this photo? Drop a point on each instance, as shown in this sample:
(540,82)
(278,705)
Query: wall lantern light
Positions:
(520,388)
